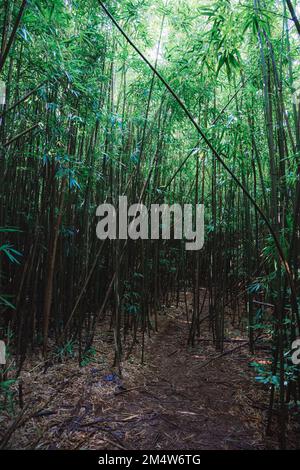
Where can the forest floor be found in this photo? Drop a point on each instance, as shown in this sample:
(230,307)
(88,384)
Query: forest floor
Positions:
(181,398)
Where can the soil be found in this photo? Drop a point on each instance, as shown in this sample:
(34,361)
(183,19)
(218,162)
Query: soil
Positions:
(181,398)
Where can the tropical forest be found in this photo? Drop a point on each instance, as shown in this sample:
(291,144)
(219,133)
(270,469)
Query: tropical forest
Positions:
(150,226)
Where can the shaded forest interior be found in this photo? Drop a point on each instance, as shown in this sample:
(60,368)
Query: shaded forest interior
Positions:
(164,102)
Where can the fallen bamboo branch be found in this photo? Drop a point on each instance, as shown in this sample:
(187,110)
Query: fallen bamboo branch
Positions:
(225,353)
(17,137)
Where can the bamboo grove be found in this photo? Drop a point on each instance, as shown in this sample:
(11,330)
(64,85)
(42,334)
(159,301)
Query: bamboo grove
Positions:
(86,120)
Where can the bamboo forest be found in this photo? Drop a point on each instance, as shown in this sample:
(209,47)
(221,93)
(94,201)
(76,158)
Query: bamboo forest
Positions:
(149,226)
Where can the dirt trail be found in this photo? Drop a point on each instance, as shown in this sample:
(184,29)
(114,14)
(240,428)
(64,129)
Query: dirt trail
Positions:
(180,399)
(184,404)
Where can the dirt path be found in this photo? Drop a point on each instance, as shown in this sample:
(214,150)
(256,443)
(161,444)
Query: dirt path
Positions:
(184,404)
(180,399)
